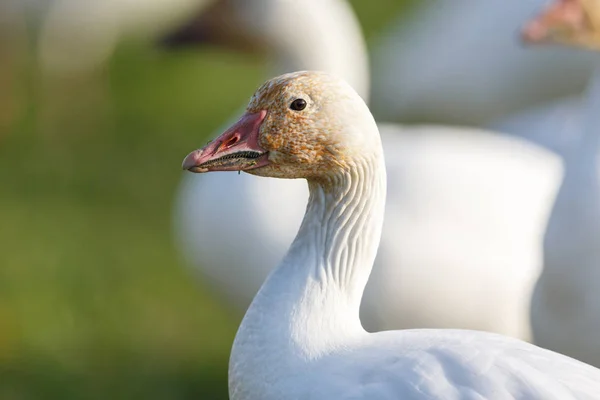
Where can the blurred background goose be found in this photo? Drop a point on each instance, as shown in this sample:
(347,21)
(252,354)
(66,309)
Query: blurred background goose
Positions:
(480,199)
(459,61)
(302,337)
(566,303)
(80,36)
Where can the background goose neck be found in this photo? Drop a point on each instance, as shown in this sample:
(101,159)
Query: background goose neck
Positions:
(324,36)
(591,129)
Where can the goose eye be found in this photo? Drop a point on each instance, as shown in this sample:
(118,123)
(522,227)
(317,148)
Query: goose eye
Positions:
(298,105)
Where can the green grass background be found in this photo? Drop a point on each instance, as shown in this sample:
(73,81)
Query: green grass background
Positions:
(94,301)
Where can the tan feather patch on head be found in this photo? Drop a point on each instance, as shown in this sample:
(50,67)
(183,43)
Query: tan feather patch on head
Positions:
(302,143)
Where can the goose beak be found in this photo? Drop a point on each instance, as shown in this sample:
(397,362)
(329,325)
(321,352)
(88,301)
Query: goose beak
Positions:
(237,149)
(559,21)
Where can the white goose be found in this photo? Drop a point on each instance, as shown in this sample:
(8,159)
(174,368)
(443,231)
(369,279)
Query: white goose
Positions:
(302,337)
(566,303)
(465,216)
(458,61)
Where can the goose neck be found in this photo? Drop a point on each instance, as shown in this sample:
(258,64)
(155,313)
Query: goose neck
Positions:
(592,114)
(342,227)
(576,210)
(583,161)
(310,304)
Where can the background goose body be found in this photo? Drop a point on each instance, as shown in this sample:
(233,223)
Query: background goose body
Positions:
(465,216)
(455,196)
(566,303)
(556,126)
(476,71)
(565,314)
(302,338)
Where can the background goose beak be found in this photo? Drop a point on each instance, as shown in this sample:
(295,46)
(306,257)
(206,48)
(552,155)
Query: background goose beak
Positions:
(560,19)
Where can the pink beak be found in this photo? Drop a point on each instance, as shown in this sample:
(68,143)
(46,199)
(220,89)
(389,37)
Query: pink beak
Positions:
(560,17)
(237,149)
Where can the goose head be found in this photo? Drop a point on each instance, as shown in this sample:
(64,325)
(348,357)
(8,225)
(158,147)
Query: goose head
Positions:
(569,22)
(299,125)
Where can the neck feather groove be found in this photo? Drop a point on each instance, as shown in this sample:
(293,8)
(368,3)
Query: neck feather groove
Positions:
(343,226)
(310,303)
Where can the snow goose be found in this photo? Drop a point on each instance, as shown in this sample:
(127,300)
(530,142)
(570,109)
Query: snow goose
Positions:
(302,337)
(473,73)
(566,303)
(479,199)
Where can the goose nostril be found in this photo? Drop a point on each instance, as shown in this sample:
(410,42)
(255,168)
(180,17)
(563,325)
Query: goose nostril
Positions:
(233,140)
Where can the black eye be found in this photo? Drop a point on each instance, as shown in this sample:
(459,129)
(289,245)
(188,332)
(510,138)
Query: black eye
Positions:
(298,105)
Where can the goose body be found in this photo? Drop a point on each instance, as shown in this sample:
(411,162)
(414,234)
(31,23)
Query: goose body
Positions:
(301,337)
(487,252)
(476,72)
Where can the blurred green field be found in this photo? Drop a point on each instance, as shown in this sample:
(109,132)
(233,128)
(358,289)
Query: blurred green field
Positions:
(94,301)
